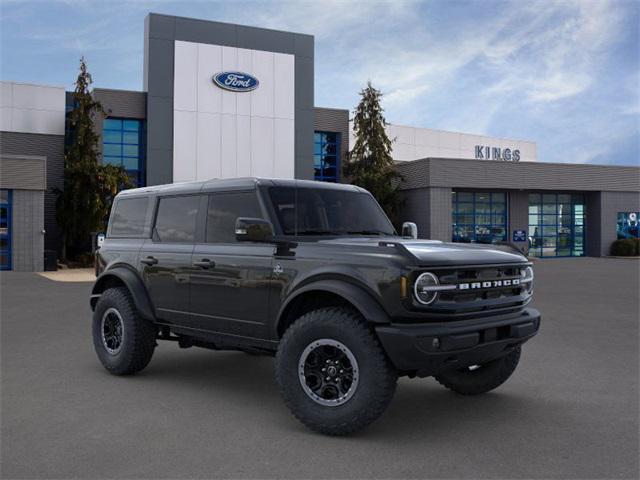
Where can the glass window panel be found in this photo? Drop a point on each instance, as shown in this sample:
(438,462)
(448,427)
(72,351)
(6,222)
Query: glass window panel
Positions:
(498,208)
(578,230)
(4,243)
(131,125)
(535,252)
(112,124)
(317,160)
(330,149)
(549,208)
(534,198)
(548,241)
(130,151)
(130,163)
(465,207)
(563,252)
(110,136)
(132,138)
(330,161)
(549,198)
(317,137)
(483,219)
(176,219)
(483,208)
(465,219)
(483,234)
(317,171)
(463,234)
(483,197)
(498,220)
(549,219)
(112,160)
(563,198)
(499,197)
(465,197)
(454,196)
(330,137)
(317,149)
(534,219)
(535,209)
(112,150)
(549,230)
(129,217)
(4,195)
(224,210)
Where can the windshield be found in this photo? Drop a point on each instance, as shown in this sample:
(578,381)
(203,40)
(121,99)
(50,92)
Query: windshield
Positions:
(308,211)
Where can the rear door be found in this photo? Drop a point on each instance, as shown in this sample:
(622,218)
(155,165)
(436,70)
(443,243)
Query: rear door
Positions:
(166,257)
(230,280)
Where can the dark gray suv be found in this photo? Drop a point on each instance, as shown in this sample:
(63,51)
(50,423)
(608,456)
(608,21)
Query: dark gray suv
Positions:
(315,274)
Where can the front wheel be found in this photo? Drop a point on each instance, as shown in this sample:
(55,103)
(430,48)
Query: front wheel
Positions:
(333,373)
(479,379)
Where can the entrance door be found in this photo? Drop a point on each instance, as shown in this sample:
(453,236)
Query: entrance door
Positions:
(5,229)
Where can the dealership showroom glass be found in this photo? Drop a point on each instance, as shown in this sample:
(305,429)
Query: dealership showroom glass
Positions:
(222,100)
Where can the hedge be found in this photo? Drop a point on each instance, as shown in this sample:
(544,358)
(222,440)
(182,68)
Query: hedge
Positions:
(628,247)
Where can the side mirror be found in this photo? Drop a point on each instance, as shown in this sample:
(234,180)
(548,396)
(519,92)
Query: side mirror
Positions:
(253,230)
(409,229)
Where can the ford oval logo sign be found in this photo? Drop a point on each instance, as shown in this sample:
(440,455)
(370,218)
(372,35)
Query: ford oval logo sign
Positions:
(236,81)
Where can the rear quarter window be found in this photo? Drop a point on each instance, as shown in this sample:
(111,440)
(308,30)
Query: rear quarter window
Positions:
(129,217)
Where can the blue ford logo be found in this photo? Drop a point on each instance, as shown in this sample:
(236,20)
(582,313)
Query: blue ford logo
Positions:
(236,81)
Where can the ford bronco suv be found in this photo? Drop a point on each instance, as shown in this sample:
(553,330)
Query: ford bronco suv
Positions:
(314,274)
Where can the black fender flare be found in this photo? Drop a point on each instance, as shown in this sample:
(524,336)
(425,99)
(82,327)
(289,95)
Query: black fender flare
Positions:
(133,282)
(362,300)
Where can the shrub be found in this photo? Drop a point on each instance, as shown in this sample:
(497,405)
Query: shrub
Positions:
(628,247)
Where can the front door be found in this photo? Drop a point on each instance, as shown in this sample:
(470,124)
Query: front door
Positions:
(230,280)
(166,257)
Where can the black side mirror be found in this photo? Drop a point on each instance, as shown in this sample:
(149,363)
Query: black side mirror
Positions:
(253,230)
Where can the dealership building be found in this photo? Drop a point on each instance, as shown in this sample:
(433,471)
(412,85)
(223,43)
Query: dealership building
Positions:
(222,101)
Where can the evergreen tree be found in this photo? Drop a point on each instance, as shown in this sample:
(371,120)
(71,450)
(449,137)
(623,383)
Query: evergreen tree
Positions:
(89,187)
(369,163)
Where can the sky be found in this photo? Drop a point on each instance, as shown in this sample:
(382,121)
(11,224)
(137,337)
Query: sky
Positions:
(565,74)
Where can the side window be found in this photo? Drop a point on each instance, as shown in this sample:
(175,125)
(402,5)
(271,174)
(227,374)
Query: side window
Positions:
(128,217)
(224,209)
(176,219)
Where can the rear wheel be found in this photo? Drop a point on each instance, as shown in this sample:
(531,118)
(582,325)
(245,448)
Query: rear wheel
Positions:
(123,340)
(332,372)
(483,378)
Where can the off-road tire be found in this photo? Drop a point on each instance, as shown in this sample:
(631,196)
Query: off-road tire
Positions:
(484,379)
(377,377)
(139,339)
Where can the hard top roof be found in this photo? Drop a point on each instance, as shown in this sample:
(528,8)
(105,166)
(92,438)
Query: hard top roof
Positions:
(233,184)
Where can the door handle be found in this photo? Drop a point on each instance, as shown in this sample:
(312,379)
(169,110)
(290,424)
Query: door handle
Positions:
(149,260)
(204,263)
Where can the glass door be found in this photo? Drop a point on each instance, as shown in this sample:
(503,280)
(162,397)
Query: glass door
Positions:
(556,225)
(5,229)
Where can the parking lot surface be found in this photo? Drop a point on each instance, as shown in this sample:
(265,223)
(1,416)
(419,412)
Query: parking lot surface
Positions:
(570,410)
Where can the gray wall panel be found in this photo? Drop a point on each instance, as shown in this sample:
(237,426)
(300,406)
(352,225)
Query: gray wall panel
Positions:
(518,205)
(593,224)
(122,103)
(23,172)
(51,147)
(439,172)
(430,209)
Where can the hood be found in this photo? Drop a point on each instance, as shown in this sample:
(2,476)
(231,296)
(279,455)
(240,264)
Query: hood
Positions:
(436,253)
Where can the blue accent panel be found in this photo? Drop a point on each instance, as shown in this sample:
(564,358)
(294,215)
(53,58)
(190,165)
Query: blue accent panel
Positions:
(326,158)
(6,207)
(123,145)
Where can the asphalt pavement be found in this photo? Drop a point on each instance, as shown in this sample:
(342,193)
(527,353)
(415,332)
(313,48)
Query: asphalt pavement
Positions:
(569,411)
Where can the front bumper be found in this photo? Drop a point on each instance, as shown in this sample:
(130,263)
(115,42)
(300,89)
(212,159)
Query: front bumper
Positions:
(429,348)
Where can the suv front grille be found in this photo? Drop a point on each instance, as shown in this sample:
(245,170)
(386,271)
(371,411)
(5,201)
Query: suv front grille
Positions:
(482,292)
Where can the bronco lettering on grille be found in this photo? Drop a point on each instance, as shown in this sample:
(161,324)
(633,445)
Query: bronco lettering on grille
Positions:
(510,282)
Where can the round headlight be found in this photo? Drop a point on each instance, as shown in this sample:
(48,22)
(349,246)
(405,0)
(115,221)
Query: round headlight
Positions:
(526,279)
(425,288)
